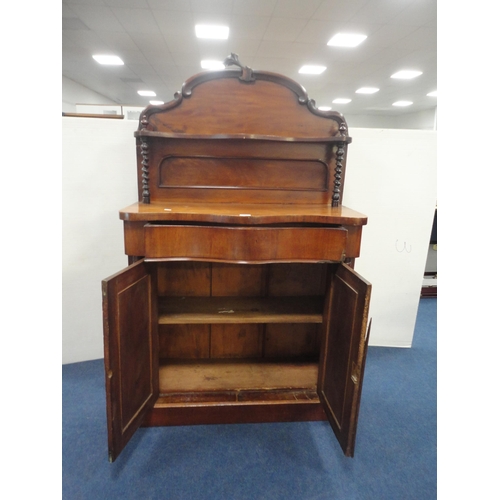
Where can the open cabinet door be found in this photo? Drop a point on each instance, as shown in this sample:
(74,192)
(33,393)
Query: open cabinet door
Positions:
(130,352)
(343,352)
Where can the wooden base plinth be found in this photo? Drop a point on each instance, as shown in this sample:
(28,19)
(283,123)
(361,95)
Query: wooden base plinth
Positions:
(232,413)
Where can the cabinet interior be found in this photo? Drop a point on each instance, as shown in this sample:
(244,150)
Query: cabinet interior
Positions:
(239,332)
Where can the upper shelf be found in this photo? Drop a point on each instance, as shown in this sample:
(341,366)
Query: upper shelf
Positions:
(242,136)
(243,214)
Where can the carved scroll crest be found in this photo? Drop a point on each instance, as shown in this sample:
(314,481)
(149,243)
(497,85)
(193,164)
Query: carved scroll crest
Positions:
(246,72)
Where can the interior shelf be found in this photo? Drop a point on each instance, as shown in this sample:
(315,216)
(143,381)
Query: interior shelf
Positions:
(235,375)
(211,310)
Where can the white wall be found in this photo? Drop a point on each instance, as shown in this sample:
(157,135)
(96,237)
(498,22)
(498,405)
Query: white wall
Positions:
(390,177)
(98,179)
(421,120)
(73,93)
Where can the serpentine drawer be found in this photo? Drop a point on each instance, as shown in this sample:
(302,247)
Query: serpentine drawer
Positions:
(244,244)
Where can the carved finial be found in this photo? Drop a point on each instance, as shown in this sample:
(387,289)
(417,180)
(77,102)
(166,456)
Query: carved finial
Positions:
(232,60)
(246,72)
(343,129)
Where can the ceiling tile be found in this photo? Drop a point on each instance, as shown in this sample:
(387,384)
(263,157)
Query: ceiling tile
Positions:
(282,29)
(73,23)
(85,2)
(98,18)
(254,7)
(211,52)
(379,11)
(212,6)
(143,70)
(213,18)
(149,42)
(304,53)
(244,47)
(67,11)
(296,8)
(389,34)
(338,10)
(417,13)
(172,5)
(172,80)
(175,23)
(157,41)
(166,71)
(159,59)
(67,43)
(182,44)
(419,38)
(86,39)
(133,57)
(316,31)
(117,41)
(251,27)
(134,4)
(275,65)
(271,49)
(136,20)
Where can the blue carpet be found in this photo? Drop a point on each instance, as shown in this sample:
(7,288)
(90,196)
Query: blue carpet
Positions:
(395,456)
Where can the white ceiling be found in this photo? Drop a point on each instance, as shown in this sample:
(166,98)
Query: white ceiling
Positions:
(156,40)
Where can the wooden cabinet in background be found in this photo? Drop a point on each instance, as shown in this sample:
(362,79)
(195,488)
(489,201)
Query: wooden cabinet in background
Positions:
(240,303)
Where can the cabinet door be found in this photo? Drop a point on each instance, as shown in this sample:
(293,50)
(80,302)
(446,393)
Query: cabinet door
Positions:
(130,351)
(343,352)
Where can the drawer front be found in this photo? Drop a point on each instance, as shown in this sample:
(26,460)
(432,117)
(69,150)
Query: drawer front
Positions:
(245,244)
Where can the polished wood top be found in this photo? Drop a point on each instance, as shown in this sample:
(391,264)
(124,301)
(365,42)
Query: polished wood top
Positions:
(242,214)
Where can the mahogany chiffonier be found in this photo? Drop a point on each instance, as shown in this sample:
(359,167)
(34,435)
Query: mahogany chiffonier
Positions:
(240,303)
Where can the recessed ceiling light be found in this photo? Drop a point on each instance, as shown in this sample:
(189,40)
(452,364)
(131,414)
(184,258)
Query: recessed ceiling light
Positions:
(208,64)
(324,108)
(367,90)
(434,93)
(402,103)
(346,40)
(406,74)
(312,70)
(341,100)
(156,103)
(110,60)
(146,93)
(213,32)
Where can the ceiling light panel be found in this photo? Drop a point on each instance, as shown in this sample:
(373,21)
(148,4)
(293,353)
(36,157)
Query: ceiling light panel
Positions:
(346,40)
(212,32)
(341,100)
(402,104)
(210,64)
(146,93)
(433,93)
(309,69)
(108,60)
(406,74)
(367,90)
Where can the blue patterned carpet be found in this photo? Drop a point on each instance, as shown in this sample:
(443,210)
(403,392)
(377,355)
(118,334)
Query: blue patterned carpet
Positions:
(395,455)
